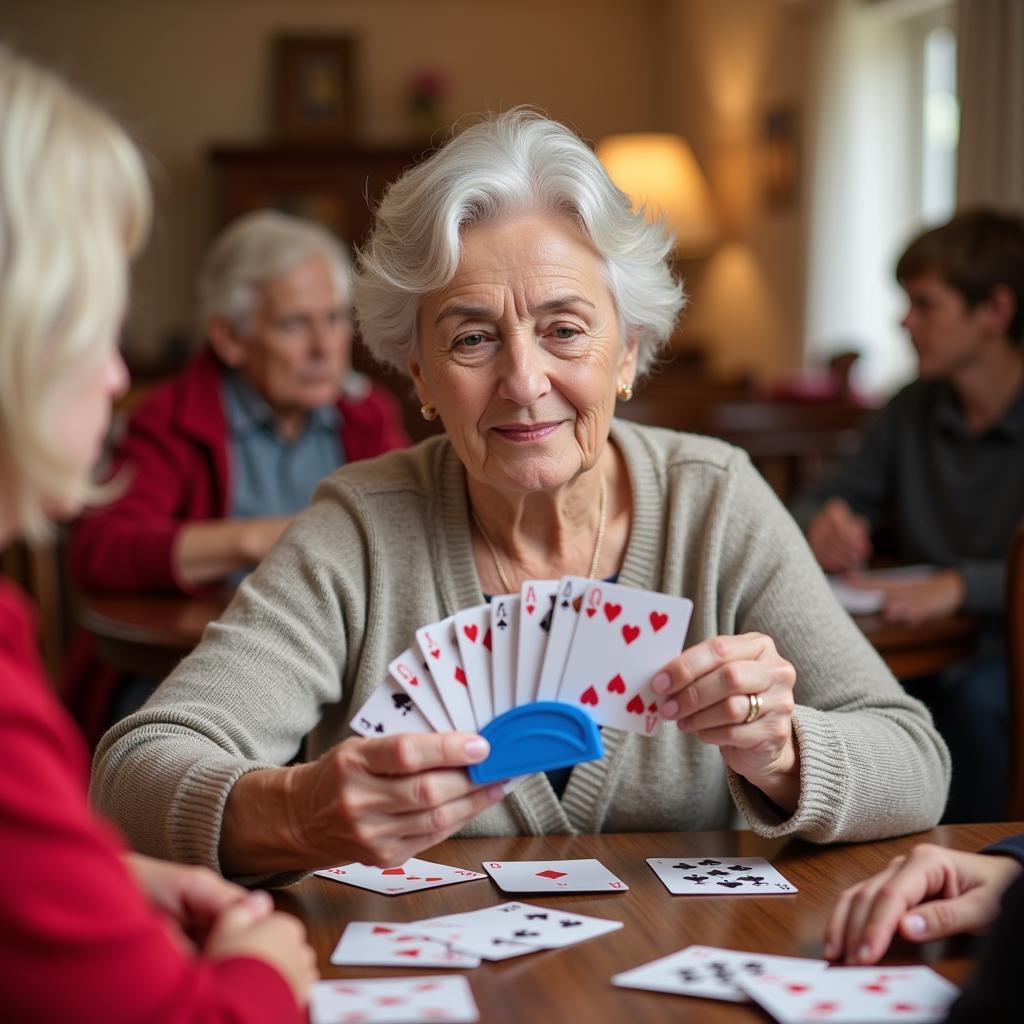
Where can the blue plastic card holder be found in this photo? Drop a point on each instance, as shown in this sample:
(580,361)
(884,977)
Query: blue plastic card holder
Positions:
(537,737)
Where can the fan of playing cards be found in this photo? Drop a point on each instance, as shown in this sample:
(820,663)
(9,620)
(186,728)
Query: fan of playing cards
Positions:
(531,671)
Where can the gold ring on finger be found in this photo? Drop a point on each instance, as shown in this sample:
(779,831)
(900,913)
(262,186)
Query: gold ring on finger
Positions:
(755,708)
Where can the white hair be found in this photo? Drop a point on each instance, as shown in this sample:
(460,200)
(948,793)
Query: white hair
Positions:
(510,163)
(255,249)
(74,206)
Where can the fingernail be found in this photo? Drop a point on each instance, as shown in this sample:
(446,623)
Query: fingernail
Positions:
(477,748)
(829,950)
(670,708)
(661,682)
(496,791)
(915,924)
(260,900)
(864,953)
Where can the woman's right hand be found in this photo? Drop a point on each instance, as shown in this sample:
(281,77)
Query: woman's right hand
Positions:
(930,894)
(252,928)
(383,800)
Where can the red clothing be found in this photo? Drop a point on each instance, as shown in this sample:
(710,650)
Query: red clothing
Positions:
(176,449)
(78,940)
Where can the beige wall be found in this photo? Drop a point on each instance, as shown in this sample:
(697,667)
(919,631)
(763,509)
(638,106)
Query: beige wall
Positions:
(189,73)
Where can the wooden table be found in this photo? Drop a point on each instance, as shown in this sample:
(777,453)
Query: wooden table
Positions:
(573,984)
(150,635)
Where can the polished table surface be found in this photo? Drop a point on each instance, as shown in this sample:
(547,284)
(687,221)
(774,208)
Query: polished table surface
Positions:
(574,983)
(150,635)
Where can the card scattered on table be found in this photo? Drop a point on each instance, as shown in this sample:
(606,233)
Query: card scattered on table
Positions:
(411,876)
(393,1001)
(553,876)
(711,973)
(391,944)
(854,995)
(718,876)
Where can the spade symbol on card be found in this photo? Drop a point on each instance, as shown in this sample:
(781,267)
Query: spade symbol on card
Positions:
(522,933)
(569,923)
(502,616)
(545,623)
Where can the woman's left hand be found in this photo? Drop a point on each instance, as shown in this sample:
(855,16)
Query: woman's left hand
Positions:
(736,693)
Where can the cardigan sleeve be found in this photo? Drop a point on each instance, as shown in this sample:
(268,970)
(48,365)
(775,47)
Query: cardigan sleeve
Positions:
(871,761)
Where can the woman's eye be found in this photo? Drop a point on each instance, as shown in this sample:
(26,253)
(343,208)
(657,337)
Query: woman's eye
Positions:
(563,332)
(471,340)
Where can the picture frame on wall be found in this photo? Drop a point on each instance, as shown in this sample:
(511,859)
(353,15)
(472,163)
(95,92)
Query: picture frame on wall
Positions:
(314,79)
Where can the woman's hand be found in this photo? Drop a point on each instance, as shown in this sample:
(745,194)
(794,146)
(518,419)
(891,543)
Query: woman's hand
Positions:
(251,928)
(380,801)
(193,896)
(736,692)
(930,894)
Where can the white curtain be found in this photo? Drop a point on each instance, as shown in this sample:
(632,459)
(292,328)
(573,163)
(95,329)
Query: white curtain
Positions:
(864,195)
(990,44)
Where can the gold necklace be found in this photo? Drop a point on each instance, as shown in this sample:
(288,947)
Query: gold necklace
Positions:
(598,543)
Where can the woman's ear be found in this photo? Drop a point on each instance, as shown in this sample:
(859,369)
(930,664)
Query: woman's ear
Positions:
(226,343)
(416,373)
(627,364)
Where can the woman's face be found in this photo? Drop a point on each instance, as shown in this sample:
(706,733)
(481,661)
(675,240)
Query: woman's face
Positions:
(81,404)
(522,353)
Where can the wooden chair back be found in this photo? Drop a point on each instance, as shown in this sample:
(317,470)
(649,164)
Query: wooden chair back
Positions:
(1014,611)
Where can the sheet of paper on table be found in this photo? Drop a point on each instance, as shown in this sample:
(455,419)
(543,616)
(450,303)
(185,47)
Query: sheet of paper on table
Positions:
(861,601)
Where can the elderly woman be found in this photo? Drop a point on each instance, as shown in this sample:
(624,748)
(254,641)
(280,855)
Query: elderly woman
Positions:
(129,940)
(523,296)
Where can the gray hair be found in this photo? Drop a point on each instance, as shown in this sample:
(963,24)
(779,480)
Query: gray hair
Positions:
(255,249)
(509,163)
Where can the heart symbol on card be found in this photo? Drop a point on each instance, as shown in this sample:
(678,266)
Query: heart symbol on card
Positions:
(393,871)
(591,612)
(904,1008)
(796,986)
(635,706)
(427,986)
(435,652)
(658,619)
(630,633)
(408,952)
(616,684)
(381,930)
(589,696)
(824,1008)
(471,633)
(611,611)
(390,1001)
(875,987)
(529,609)
(460,676)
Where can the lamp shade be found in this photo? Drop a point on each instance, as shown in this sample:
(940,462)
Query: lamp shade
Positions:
(658,170)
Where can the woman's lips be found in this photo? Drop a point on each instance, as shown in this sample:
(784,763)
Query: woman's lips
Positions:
(527,431)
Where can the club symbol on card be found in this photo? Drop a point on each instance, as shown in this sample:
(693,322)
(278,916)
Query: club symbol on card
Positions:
(552,874)
(616,684)
(657,620)
(402,702)
(630,633)
(570,923)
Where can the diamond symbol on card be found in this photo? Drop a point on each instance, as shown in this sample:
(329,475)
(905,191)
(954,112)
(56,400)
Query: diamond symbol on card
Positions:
(393,871)
(551,873)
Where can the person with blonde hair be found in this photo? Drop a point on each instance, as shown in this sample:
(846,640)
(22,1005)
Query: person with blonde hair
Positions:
(129,938)
(522,294)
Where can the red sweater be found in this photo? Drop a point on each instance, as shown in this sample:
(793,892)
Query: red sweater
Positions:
(78,940)
(176,452)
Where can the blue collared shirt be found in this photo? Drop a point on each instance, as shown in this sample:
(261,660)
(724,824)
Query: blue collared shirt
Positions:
(271,476)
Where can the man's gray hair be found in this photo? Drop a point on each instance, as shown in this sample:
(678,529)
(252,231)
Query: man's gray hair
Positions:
(255,249)
(510,163)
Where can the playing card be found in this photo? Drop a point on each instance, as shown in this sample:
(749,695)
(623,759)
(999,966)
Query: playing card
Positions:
(441,653)
(410,671)
(388,944)
(536,609)
(854,995)
(479,931)
(393,1001)
(711,973)
(411,876)
(719,876)
(504,641)
(389,710)
(568,601)
(622,638)
(553,876)
(473,635)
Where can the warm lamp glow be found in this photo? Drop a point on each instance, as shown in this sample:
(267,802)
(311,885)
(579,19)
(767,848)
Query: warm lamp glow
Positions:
(659,171)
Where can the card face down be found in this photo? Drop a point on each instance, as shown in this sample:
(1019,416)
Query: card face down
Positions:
(553,876)
(623,637)
(719,876)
